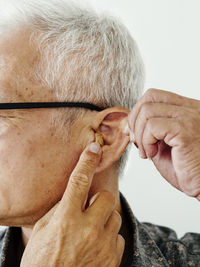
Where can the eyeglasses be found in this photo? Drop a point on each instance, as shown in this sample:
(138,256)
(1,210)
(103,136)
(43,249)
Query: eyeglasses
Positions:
(29,105)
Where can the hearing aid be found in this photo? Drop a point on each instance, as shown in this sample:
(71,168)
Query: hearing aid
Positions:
(99,139)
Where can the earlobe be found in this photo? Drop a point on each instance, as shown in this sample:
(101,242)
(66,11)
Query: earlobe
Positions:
(108,126)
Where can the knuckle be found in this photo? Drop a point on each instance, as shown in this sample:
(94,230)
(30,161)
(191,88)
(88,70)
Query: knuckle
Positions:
(80,180)
(86,166)
(150,92)
(146,107)
(115,222)
(121,241)
(91,159)
(117,217)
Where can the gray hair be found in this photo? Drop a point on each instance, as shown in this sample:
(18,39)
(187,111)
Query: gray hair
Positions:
(86,56)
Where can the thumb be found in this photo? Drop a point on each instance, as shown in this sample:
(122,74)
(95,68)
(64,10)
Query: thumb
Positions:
(81,178)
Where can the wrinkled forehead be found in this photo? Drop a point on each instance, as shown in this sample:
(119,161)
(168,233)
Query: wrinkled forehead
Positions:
(13,63)
(16,49)
(18,60)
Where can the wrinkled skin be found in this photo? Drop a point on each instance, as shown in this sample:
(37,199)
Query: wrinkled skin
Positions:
(166,127)
(74,236)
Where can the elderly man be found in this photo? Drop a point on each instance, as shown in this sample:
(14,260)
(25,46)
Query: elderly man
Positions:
(68,79)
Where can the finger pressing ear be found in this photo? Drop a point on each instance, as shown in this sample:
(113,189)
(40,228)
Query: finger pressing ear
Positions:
(80,180)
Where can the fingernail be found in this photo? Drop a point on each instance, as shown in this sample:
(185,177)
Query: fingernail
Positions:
(126,129)
(132,137)
(141,155)
(95,147)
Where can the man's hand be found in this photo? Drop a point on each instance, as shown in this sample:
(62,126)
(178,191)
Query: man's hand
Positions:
(166,127)
(70,235)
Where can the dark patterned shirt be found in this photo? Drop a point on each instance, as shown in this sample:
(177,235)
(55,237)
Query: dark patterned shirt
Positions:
(151,245)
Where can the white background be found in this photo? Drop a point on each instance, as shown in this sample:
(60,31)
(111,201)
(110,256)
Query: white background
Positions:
(168,35)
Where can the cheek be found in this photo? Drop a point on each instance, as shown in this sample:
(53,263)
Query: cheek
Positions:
(3,129)
(34,173)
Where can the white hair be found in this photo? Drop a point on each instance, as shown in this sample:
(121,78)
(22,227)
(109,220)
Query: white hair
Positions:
(86,56)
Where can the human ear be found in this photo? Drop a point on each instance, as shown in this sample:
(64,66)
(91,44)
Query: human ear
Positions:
(108,127)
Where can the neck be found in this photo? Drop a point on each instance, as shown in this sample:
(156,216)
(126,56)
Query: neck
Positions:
(105,181)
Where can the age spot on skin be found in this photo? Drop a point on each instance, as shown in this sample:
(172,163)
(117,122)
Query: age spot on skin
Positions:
(20,95)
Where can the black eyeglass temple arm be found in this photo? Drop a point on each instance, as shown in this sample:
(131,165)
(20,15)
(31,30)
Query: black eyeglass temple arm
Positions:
(29,105)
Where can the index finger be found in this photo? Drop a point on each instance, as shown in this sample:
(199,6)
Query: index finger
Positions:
(80,180)
(160,96)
